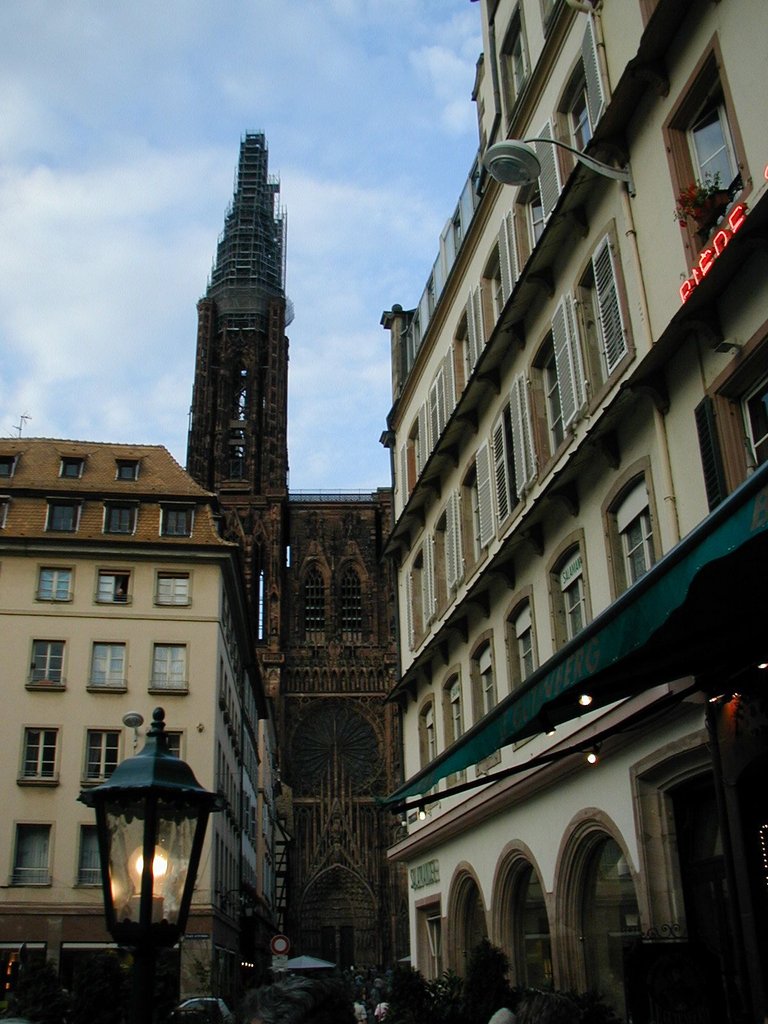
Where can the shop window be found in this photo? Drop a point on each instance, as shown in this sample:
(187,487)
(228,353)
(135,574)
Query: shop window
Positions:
(31,855)
(314,604)
(107,666)
(569,595)
(610,920)
(54,584)
(47,663)
(39,762)
(531,939)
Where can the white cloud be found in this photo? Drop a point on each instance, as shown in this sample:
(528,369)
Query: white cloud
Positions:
(119,131)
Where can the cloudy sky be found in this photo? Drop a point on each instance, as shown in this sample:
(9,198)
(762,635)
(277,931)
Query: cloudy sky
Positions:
(120,125)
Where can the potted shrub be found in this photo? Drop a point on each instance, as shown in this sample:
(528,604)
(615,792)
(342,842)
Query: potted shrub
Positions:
(703,202)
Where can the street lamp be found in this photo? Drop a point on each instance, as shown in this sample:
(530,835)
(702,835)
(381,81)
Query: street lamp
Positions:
(515,162)
(151,816)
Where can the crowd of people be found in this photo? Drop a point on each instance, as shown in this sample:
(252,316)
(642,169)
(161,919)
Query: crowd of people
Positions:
(297,999)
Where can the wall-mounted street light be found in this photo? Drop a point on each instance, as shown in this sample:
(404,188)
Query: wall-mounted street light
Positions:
(515,162)
(151,816)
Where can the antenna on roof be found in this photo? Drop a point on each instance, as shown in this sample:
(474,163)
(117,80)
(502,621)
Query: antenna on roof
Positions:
(20,425)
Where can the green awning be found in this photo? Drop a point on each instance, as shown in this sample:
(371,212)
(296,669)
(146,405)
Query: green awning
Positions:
(700,611)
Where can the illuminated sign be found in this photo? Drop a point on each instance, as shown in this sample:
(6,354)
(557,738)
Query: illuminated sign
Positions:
(719,243)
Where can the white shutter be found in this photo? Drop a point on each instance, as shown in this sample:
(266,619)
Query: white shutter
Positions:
(403,476)
(475,330)
(570,375)
(505,262)
(592,77)
(522,435)
(422,449)
(409,612)
(514,265)
(611,321)
(450,384)
(501,473)
(428,580)
(454,555)
(549,180)
(434,409)
(484,494)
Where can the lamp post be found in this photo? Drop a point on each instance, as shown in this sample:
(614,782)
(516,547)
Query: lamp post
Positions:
(515,162)
(151,816)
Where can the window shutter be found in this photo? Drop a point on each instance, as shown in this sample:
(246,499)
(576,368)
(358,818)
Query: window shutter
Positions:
(511,239)
(409,612)
(450,384)
(475,332)
(611,321)
(570,375)
(434,408)
(549,180)
(522,435)
(711,457)
(501,474)
(505,261)
(403,476)
(484,494)
(422,452)
(454,556)
(592,78)
(428,580)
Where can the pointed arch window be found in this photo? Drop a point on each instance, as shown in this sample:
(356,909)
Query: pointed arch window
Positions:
(351,604)
(240,410)
(314,602)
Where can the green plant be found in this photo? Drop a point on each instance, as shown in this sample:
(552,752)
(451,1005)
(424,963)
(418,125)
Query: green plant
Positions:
(486,988)
(100,990)
(38,995)
(692,200)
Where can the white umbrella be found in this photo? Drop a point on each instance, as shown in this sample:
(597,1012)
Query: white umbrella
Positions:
(307,963)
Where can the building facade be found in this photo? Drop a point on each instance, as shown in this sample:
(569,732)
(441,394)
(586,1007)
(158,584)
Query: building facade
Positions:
(578,436)
(321,599)
(117,593)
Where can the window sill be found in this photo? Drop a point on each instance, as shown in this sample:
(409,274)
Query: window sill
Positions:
(155,689)
(43,686)
(104,688)
(31,885)
(53,600)
(34,781)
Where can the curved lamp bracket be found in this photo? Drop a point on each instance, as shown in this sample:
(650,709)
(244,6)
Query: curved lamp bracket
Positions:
(514,162)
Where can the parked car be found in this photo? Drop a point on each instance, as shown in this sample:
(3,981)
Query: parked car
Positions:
(202,1010)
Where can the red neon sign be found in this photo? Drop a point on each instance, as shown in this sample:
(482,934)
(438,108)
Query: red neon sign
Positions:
(707,256)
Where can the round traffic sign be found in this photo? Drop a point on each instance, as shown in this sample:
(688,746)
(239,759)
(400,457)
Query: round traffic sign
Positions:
(279,944)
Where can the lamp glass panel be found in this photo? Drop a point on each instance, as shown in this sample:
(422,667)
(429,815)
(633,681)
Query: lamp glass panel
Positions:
(172,843)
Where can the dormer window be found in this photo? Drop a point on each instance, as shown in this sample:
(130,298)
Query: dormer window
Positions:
(71,467)
(8,465)
(120,517)
(63,516)
(176,520)
(127,469)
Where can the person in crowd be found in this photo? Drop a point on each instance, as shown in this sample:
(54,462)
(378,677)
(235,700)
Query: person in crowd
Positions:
(547,1008)
(298,1000)
(503,1016)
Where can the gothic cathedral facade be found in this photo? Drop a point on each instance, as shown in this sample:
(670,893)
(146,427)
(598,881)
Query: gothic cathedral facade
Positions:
(321,598)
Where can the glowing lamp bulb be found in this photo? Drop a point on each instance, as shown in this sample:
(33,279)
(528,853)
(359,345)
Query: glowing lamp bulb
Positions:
(585,699)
